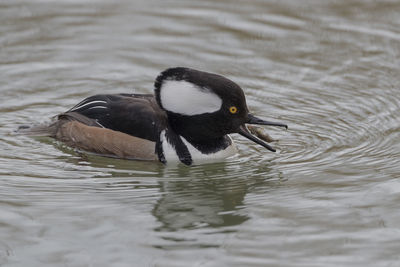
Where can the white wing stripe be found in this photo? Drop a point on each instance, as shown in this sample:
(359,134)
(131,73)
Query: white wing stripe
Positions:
(100,124)
(89,103)
(98,107)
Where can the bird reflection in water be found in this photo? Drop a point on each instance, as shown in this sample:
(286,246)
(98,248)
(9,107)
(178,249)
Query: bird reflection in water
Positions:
(209,198)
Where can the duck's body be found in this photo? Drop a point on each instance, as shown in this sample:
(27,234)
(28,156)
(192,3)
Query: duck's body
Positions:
(188,120)
(128,126)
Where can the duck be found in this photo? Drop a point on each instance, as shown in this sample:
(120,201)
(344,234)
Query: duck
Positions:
(188,119)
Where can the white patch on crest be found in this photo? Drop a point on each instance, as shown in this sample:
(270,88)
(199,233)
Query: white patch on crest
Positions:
(188,99)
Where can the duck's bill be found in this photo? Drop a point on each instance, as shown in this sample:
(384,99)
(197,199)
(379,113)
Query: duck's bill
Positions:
(254,120)
(243,131)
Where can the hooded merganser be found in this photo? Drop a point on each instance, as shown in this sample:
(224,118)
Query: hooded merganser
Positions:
(188,119)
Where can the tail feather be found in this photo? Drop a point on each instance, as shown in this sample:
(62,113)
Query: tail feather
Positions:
(38,130)
(50,129)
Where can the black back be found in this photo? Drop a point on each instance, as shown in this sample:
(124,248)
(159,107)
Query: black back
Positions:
(134,114)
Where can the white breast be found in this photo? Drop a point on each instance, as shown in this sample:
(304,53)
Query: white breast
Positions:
(197,157)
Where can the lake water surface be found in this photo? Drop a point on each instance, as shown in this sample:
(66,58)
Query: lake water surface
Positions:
(330,196)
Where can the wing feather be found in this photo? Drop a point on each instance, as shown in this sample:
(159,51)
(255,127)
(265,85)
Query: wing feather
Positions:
(134,114)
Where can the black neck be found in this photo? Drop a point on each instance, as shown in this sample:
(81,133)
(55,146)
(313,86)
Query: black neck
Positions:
(211,145)
(200,133)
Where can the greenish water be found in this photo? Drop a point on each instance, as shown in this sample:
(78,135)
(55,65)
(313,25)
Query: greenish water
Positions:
(328,197)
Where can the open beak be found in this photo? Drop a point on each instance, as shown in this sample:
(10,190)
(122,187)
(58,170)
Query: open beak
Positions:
(243,131)
(254,120)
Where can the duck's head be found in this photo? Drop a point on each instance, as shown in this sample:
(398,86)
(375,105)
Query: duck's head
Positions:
(203,106)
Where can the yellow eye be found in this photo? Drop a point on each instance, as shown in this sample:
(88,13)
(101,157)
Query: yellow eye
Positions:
(233,109)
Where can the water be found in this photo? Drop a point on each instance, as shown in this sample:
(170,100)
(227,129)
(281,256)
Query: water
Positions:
(328,197)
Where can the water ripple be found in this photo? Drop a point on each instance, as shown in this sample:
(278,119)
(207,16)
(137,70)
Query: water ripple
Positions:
(328,196)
